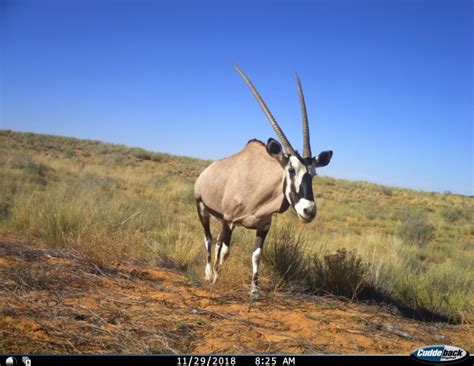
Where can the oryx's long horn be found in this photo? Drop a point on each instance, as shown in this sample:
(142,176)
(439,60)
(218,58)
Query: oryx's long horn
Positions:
(304,115)
(271,119)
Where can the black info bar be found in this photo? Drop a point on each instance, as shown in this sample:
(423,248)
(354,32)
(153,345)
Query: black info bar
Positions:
(212,360)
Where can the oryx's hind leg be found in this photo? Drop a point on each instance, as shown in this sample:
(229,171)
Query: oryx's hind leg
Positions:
(222,247)
(203,214)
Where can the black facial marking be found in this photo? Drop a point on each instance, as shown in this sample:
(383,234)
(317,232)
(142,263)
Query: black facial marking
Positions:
(306,187)
(293,194)
(285,204)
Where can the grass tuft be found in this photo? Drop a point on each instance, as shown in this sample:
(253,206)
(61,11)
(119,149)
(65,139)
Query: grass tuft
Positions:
(284,253)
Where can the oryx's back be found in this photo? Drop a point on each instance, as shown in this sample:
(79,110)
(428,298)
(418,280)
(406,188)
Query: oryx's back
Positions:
(244,188)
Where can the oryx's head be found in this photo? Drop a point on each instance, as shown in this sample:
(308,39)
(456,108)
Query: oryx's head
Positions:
(299,170)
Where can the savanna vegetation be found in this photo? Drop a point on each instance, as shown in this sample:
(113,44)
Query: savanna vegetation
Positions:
(369,242)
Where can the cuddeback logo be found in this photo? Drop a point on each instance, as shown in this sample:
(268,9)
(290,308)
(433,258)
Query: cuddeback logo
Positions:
(439,354)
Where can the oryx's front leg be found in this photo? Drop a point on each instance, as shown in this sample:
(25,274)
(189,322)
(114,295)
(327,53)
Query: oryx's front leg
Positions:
(257,253)
(222,247)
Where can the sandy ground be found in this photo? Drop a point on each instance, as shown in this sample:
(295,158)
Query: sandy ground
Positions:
(57,302)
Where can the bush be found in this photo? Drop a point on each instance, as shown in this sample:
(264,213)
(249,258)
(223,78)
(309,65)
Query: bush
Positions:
(35,171)
(372,210)
(342,273)
(140,153)
(284,254)
(146,155)
(452,214)
(69,153)
(30,166)
(387,191)
(5,207)
(415,228)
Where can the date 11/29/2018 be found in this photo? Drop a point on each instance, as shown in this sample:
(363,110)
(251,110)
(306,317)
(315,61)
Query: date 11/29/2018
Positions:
(206,361)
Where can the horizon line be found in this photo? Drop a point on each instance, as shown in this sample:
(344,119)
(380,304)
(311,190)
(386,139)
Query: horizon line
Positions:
(445,192)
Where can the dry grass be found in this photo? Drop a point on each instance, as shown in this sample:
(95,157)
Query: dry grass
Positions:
(112,203)
(60,302)
(57,301)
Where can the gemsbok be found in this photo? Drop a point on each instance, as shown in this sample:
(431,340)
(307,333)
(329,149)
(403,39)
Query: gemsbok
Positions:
(247,188)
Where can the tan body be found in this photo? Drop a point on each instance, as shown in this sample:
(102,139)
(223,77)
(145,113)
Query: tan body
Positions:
(232,187)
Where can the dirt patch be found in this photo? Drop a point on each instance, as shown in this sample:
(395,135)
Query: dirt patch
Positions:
(57,302)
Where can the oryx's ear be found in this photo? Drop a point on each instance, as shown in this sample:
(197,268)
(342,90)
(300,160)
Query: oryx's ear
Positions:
(275,150)
(322,159)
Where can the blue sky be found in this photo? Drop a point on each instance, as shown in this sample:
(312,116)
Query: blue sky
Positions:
(388,84)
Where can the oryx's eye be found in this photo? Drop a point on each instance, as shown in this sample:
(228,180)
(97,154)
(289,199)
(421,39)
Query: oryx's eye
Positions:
(291,171)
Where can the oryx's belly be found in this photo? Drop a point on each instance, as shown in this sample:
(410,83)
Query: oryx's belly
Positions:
(249,221)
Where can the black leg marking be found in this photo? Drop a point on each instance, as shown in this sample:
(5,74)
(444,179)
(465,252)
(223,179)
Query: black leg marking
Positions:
(222,241)
(257,253)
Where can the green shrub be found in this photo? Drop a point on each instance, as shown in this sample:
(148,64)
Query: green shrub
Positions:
(387,191)
(342,273)
(30,166)
(5,207)
(146,155)
(372,210)
(452,214)
(415,228)
(33,172)
(69,153)
(140,153)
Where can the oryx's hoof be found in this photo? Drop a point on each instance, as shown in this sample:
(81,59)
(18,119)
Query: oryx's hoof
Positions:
(209,275)
(254,293)
(214,277)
